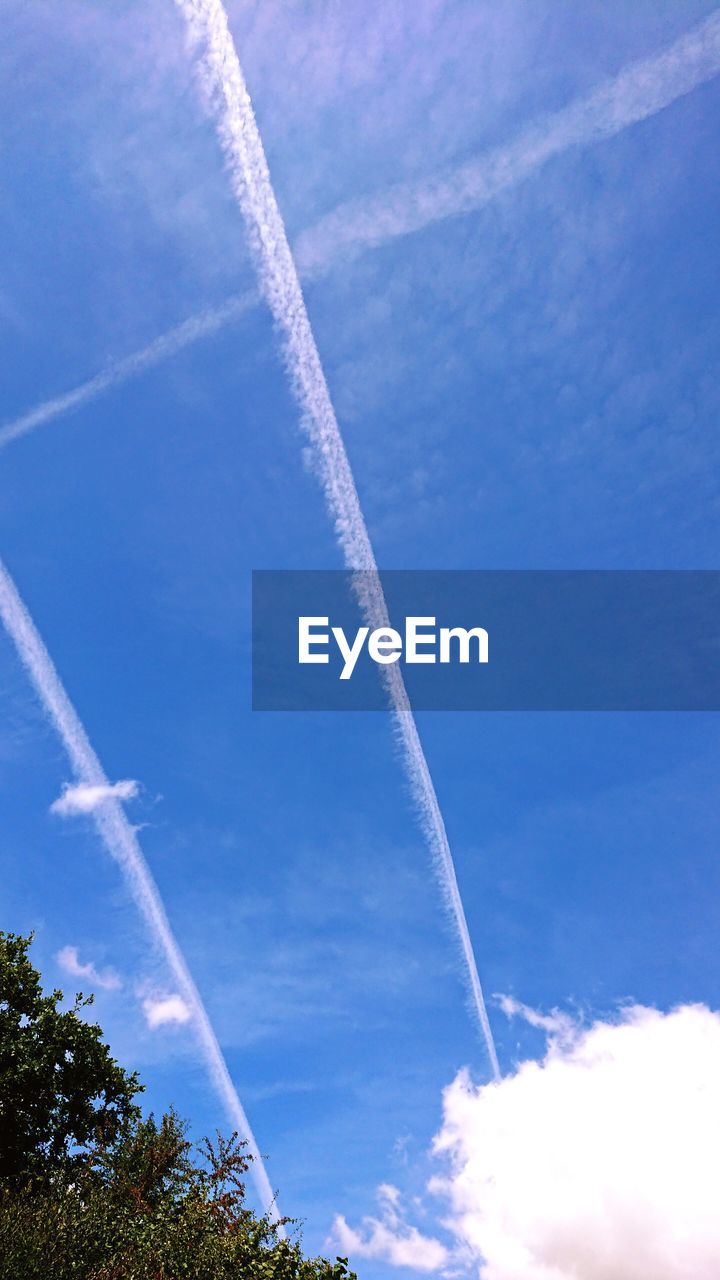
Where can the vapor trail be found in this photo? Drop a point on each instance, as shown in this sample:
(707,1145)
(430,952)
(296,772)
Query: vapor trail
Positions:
(122,843)
(202,325)
(640,90)
(227,96)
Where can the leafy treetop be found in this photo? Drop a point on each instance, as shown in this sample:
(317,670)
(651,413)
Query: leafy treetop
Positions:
(91,1190)
(59,1085)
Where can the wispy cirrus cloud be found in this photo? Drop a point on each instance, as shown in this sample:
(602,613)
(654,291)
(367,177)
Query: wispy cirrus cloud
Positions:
(83,797)
(69,960)
(168,1010)
(557,1025)
(597,1161)
(640,90)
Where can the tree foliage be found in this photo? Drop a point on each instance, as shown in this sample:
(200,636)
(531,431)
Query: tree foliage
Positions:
(92,1190)
(59,1086)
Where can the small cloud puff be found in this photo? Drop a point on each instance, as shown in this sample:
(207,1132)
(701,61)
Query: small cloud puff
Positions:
(69,960)
(558,1026)
(598,1161)
(389,1237)
(163,1011)
(84,798)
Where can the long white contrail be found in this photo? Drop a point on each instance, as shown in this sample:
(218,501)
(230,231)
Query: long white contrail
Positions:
(227,96)
(640,90)
(122,843)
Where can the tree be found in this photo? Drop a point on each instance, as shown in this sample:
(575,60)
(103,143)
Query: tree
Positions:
(135,1202)
(59,1085)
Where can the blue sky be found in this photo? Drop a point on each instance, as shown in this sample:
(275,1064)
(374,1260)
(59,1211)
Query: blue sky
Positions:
(526,385)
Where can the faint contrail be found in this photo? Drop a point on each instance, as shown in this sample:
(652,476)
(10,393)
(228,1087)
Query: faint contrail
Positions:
(168,344)
(122,843)
(229,101)
(640,90)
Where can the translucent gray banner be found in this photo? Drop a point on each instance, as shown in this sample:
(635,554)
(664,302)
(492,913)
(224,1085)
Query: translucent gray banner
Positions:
(599,640)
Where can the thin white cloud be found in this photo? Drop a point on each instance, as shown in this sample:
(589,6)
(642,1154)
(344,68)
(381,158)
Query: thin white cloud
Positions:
(121,842)
(598,1162)
(224,88)
(389,1238)
(163,1011)
(86,797)
(557,1025)
(639,91)
(69,960)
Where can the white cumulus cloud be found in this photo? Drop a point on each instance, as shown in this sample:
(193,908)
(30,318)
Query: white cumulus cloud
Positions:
(163,1011)
(69,960)
(598,1162)
(83,798)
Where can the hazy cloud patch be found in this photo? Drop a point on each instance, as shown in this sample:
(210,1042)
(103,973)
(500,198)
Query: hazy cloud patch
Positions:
(69,960)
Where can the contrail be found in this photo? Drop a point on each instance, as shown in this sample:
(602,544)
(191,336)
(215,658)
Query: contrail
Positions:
(202,325)
(640,90)
(227,96)
(122,843)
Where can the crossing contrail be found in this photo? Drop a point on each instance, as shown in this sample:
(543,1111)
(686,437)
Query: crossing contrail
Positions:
(639,91)
(202,325)
(121,842)
(225,91)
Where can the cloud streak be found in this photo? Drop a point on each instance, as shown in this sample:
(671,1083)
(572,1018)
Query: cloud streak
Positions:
(558,1026)
(229,103)
(69,960)
(121,842)
(640,90)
